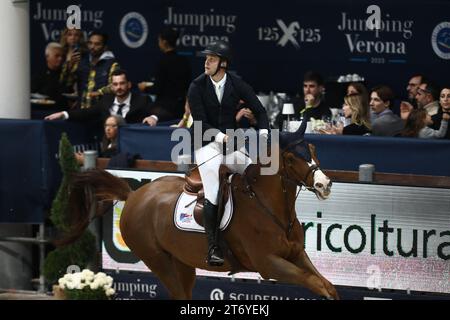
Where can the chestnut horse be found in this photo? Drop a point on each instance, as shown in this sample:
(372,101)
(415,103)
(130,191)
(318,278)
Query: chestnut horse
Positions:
(263,236)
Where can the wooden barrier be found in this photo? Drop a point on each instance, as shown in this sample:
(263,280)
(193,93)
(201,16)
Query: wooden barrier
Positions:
(335,175)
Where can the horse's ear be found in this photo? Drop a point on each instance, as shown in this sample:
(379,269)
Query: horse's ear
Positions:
(301,130)
(289,158)
(312,151)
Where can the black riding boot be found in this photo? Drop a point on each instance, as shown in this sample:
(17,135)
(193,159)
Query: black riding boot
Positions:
(215,255)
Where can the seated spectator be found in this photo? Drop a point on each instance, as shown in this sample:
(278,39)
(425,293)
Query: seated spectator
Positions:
(313,104)
(74,46)
(108,147)
(417,125)
(358,88)
(47,82)
(355,108)
(134,108)
(444,101)
(411,88)
(427,97)
(172,79)
(384,121)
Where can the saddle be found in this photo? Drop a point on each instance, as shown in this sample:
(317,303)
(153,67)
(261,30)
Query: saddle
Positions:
(194,186)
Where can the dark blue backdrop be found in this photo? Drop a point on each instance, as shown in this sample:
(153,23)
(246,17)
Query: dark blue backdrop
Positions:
(264,54)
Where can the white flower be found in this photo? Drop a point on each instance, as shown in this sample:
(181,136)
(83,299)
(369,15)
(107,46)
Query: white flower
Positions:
(109,292)
(93,286)
(68,277)
(87,279)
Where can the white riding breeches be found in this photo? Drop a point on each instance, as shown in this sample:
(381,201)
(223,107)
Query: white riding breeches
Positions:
(236,161)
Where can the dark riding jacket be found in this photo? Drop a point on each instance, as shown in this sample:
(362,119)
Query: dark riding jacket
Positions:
(205,106)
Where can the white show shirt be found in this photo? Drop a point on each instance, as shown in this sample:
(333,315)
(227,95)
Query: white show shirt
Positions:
(219,87)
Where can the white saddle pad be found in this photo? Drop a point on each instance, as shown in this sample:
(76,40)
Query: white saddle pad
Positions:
(184,213)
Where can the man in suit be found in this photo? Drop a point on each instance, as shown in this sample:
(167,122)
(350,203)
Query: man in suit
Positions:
(134,108)
(214,100)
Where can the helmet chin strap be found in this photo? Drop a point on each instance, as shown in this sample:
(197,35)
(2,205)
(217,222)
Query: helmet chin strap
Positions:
(219,66)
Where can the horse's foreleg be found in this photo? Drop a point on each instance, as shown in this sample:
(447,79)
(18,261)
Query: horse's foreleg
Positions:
(302,261)
(282,270)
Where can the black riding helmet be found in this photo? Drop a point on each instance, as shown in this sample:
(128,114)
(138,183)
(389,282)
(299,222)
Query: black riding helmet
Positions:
(221,49)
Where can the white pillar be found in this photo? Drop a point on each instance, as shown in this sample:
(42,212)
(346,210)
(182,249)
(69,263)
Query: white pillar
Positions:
(15,59)
(15,258)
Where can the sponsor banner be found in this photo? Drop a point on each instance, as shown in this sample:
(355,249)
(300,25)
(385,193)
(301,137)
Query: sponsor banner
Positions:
(273,46)
(145,286)
(371,236)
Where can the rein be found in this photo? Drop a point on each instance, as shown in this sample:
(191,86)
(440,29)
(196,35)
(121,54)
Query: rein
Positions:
(284,178)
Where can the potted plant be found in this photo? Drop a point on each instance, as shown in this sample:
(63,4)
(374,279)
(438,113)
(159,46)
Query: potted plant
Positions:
(85,285)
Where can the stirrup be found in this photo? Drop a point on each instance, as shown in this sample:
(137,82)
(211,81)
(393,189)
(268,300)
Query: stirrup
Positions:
(214,258)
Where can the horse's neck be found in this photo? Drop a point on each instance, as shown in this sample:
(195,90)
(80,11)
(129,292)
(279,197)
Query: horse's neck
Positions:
(276,191)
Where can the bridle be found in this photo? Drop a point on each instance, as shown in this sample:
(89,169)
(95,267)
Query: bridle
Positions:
(284,176)
(311,169)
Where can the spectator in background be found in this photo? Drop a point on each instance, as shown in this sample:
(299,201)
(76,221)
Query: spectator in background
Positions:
(134,108)
(428,97)
(384,121)
(355,108)
(417,125)
(413,85)
(313,104)
(172,79)
(360,89)
(47,82)
(74,46)
(108,147)
(444,101)
(411,103)
(95,70)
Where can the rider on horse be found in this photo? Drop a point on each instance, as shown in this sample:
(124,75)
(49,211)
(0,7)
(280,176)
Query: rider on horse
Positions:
(214,98)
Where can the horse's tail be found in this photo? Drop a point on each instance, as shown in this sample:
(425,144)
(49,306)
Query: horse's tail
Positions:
(87,189)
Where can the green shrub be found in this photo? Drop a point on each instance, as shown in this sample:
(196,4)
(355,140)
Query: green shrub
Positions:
(81,252)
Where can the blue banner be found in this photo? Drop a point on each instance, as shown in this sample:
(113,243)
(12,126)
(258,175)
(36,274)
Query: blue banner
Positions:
(145,286)
(29,170)
(273,44)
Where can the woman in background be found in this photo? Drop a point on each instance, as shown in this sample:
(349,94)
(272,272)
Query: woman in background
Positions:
(358,88)
(74,46)
(108,147)
(356,109)
(417,125)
